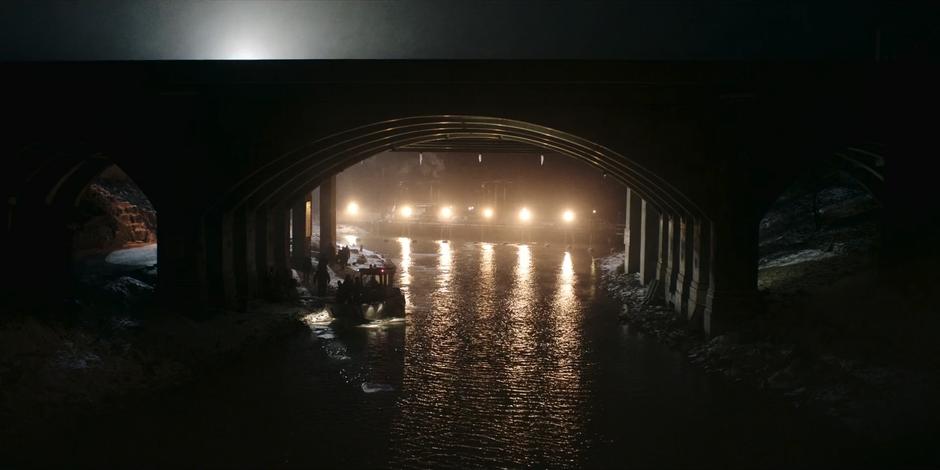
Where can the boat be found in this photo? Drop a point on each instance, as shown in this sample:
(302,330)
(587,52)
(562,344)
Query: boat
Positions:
(379,300)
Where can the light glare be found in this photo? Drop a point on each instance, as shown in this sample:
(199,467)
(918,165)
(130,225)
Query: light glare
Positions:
(525,215)
(447,212)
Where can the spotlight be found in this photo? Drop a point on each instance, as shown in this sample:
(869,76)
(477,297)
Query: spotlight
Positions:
(525,215)
(447,212)
(568,216)
(406,211)
(488,213)
(352,208)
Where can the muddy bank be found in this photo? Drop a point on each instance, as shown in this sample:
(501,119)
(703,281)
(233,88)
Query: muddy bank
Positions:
(805,362)
(56,371)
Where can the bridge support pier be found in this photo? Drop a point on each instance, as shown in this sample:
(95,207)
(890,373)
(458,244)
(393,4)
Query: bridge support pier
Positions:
(684,272)
(701,266)
(632,233)
(662,258)
(672,259)
(732,290)
(649,242)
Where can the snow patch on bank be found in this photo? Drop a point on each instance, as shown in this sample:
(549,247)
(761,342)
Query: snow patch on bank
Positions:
(370,387)
(796,257)
(140,256)
(610,263)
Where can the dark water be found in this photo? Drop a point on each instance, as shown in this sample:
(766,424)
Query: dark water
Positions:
(511,356)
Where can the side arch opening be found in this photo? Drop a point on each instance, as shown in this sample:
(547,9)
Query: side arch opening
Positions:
(81,234)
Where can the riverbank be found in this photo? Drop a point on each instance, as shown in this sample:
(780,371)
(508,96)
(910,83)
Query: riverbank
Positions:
(115,347)
(56,370)
(785,353)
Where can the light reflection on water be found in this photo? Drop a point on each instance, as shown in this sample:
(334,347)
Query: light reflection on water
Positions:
(445,262)
(508,359)
(492,360)
(404,269)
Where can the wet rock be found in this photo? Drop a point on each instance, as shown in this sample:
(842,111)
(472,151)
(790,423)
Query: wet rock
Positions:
(129,290)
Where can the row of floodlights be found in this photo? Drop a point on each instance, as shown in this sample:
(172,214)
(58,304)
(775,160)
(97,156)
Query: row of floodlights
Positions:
(447,213)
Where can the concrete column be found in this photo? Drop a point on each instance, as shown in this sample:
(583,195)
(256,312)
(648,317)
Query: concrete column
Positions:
(662,252)
(732,292)
(632,238)
(698,287)
(649,242)
(672,259)
(309,215)
(300,244)
(684,273)
(328,216)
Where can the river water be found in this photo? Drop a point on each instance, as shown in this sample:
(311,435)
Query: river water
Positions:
(510,356)
(513,356)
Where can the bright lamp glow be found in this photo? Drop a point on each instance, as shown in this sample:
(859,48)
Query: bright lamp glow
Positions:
(447,212)
(525,215)
(352,208)
(406,211)
(568,216)
(488,213)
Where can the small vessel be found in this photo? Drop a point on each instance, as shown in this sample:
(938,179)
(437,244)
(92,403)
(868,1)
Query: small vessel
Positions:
(377,300)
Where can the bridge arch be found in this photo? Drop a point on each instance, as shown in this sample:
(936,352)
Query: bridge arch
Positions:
(283,179)
(251,217)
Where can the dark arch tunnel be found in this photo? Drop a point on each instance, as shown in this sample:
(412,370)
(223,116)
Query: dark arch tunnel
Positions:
(41,220)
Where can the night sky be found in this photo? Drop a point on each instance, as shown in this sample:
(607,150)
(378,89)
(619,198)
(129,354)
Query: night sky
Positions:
(429,29)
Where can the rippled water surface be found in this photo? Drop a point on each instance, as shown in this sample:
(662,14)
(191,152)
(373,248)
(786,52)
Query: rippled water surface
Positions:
(510,356)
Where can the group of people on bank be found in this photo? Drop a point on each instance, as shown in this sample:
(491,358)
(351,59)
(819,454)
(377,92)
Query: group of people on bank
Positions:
(353,291)
(348,289)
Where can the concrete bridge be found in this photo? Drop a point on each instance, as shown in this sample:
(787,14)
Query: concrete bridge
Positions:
(225,150)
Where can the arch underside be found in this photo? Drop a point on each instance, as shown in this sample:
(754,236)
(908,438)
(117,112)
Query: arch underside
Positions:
(288,177)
